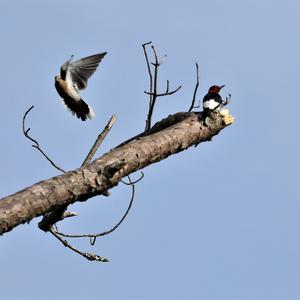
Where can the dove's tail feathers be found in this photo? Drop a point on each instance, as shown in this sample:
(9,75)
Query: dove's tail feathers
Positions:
(91,113)
(79,108)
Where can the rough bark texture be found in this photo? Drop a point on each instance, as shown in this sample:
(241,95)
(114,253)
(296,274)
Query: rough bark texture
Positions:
(106,171)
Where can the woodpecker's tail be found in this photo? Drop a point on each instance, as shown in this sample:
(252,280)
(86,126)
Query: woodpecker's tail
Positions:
(79,108)
(205,113)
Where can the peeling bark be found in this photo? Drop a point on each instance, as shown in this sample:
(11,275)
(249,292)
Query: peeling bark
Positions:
(179,133)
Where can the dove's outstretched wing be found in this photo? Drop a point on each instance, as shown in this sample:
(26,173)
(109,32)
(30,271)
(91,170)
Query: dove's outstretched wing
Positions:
(79,71)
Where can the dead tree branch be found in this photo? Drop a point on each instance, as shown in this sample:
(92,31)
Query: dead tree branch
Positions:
(133,182)
(89,256)
(36,144)
(153,86)
(58,213)
(163,124)
(51,197)
(166,93)
(93,236)
(149,73)
(107,171)
(195,90)
(99,140)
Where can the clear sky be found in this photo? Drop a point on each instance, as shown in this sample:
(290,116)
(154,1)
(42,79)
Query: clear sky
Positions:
(220,221)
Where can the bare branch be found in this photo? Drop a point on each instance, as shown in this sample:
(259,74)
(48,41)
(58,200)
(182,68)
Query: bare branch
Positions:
(150,78)
(155,56)
(52,217)
(25,131)
(166,93)
(59,213)
(134,182)
(195,91)
(68,214)
(93,236)
(99,140)
(227,100)
(153,90)
(36,144)
(164,123)
(89,256)
(107,171)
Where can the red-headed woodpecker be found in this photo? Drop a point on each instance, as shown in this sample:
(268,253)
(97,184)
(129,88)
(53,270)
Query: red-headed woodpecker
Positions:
(74,77)
(212,100)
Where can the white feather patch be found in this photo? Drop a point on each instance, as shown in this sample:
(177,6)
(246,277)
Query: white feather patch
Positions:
(91,114)
(211,104)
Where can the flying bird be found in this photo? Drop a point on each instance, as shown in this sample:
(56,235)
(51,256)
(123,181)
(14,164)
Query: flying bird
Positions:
(73,78)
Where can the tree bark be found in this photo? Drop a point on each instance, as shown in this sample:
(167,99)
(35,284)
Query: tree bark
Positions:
(106,171)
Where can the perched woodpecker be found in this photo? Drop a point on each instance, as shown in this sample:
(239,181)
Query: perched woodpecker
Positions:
(74,77)
(212,100)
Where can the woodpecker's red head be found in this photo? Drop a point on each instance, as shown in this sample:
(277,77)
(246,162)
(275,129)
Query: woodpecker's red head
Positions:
(215,88)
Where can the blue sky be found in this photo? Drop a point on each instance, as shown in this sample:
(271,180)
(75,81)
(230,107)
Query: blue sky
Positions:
(220,221)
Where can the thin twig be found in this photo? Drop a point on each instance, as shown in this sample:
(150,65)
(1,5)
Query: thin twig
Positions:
(196,88)
(134,182)
(93,236)
(153,88)
(59,213)
(89,256)
(50,161)
(166,93)
(156,65)
(99,140)
(153,92)
(36,144)
(25,131)
(150,78)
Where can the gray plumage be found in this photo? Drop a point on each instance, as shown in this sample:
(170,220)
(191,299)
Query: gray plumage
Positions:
(81,70)
(74,77)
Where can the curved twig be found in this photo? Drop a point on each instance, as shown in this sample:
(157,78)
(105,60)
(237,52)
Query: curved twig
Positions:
(25,131)
(136,181)
(89,256)
(36,144)
(93,236)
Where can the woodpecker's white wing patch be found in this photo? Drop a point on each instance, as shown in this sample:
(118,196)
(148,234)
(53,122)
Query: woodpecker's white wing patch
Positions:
(211,104)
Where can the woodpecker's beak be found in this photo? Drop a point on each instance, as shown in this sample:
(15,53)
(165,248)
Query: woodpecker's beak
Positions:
(222,86)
